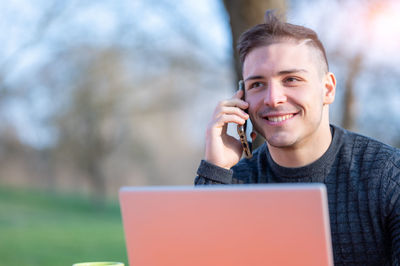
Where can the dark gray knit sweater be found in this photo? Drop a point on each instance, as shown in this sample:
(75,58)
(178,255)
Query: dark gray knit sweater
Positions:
(362,177)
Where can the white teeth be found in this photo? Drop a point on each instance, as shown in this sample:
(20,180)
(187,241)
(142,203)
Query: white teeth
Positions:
(279,118)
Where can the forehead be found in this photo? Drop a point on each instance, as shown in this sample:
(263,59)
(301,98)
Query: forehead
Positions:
(278,57)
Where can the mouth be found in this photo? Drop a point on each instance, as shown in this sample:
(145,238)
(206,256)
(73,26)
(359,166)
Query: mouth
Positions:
(278,119)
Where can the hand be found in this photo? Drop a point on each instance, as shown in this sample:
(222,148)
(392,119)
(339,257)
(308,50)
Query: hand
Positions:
(221,149)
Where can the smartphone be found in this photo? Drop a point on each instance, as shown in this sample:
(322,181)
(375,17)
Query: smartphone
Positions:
(245,138)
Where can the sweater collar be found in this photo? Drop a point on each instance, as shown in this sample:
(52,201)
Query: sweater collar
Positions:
(314,172)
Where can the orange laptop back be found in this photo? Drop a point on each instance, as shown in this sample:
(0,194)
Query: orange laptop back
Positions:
(227,225)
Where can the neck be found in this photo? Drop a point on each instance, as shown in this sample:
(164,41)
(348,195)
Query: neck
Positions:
(303,153)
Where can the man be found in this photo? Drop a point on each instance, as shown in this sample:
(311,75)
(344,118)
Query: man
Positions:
(288,90)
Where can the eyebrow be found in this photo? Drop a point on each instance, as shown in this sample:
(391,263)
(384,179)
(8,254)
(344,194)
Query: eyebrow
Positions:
(280,73)
(291,71)
(253,77)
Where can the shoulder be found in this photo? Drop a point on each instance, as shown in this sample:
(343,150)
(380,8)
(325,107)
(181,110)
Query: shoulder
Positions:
(376,166)
(367,149)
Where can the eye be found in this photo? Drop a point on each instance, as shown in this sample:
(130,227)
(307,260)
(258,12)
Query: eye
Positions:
(255,85)
(291,81)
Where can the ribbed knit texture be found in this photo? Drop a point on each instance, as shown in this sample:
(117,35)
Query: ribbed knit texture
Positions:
(362,177)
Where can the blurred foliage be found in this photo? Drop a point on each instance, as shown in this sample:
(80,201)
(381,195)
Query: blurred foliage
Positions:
(113,97)
(97,95)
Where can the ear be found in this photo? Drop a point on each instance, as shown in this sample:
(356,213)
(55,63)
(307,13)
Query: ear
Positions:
(329,88)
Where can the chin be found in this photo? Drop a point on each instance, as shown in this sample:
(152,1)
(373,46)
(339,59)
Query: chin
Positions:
(281,140)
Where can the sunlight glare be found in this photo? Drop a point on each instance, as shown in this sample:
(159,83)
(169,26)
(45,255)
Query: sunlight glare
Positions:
(383,23)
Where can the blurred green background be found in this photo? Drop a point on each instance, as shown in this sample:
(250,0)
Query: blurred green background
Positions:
(95,95)
(47,228)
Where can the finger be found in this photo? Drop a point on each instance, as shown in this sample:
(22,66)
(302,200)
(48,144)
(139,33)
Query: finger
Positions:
(232,111)
(238,94)
(224,119)
(234,102)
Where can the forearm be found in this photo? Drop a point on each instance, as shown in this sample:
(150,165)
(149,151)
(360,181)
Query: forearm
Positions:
(208,174)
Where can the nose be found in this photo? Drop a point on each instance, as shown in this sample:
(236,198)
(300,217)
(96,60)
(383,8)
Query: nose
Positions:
(274,95)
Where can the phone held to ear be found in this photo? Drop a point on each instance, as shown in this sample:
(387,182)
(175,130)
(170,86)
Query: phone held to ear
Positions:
(245,138)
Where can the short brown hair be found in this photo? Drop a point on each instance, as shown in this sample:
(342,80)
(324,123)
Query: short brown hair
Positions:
(275,30)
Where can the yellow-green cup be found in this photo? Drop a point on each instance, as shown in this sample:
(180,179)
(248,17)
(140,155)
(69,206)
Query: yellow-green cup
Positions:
(100,263)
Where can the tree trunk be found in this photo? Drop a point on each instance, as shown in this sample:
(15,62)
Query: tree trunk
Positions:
(245,14)
(349,112)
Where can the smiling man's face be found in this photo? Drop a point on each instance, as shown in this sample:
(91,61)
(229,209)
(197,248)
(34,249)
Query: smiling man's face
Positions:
(288,94)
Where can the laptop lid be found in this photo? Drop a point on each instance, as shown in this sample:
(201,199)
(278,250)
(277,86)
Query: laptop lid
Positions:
(227,225)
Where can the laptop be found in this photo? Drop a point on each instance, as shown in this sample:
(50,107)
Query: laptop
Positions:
(229,225)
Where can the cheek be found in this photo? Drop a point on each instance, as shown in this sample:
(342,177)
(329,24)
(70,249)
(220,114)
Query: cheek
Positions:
(313,104)
(254,101)
(310,97)
(252,110)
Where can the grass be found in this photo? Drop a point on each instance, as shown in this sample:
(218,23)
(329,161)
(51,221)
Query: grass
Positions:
(42,228)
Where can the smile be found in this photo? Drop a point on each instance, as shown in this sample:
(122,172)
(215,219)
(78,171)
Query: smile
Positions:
(279,118)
